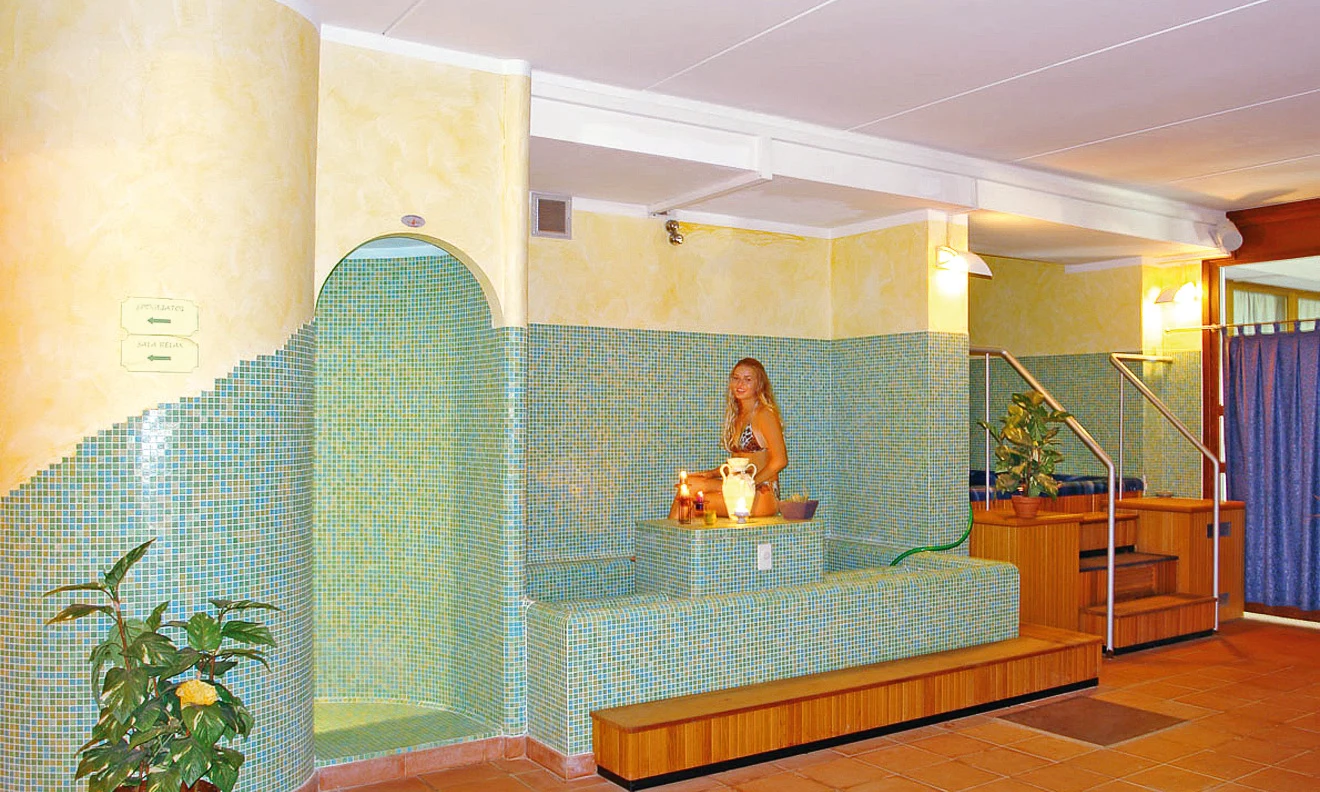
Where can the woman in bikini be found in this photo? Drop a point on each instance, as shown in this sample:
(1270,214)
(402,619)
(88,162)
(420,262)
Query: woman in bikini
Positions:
(753,429)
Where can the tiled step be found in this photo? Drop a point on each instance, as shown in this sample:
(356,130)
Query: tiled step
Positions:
(1136,575)
(1094,533)
(1151,619)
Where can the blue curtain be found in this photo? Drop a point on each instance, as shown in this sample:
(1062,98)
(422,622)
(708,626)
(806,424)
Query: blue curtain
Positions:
(1272,424)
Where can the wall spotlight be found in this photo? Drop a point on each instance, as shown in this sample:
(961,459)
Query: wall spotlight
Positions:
(1179,293)
(675,238)
(947,258)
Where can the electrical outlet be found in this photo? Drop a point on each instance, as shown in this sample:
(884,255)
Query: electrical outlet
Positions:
(764,558)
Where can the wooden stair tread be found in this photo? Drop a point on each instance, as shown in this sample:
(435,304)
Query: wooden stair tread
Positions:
(1103,516)
(1159,602)
(1098,563)
(1032,639)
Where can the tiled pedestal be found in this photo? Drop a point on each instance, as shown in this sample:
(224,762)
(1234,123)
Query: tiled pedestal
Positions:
(696,560)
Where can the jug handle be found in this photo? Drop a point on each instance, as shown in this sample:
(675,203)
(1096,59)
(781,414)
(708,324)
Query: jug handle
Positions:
(724,471)
(751,470)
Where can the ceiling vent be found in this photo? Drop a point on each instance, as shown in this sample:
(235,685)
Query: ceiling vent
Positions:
(552,215)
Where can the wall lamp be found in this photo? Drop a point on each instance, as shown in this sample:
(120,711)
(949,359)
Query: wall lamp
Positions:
(946,258)
(1182,293)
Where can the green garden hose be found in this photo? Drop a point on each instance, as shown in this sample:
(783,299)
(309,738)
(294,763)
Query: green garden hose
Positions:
(961,539)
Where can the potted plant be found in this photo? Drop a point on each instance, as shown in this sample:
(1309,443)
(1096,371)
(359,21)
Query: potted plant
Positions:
(1025,454)
(798,507)
(163,709)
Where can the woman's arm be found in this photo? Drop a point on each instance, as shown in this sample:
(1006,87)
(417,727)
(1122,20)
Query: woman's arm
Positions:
(765,425)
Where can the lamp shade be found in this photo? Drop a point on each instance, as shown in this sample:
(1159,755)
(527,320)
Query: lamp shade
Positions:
(961,261)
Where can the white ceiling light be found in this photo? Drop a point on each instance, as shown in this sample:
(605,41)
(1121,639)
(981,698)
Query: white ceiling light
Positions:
(947,258)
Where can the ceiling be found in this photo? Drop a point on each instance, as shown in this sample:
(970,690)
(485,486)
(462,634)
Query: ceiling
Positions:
(1211,103)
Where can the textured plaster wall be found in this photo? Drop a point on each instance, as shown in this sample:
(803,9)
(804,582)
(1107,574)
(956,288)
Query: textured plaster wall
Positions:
(1034,308)
(622,272)
(404,136)
(154,148)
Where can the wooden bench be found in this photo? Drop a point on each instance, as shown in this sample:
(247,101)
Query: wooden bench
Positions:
(657,742)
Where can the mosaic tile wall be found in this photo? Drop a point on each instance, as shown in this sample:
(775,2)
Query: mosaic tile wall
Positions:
(608,577)
(682,562)
(615,414)
(586,655)
(900,408)
(223,482)
(1088,387)
(419,443)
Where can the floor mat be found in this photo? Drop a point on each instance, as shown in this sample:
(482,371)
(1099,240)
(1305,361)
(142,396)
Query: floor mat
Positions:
(1092,720)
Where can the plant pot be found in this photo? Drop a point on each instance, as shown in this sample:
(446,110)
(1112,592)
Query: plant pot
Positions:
(798,510)
(1025,506)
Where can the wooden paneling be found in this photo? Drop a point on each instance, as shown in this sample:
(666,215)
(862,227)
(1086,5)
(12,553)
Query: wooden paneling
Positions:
(1154,575)
(1094,533)
(1151,619)
(1177,526)
(1044,550)
(646,740)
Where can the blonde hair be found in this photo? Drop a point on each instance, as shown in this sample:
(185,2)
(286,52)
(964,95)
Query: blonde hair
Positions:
(765,397)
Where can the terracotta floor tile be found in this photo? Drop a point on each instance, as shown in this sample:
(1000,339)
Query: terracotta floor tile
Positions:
(952,776)
(894,784)
(843,773)
(998,732)
(784,782)
(951,745)
(1006,785)
(505,783)
(742,775)
(1304,763)
(1119,786)
(807,759)
(443,779)
(1058,778)
(1168,778)
(698,784)
(1219,765)
(1291,737)
(515,766)
(1108,763)
(401,785)
(901,758)
(912,735)
(862,746)
(1004,761)
(1053,748)
(1275,779)
(543,781)
(1197,736)
(1259,751)
(1158,747)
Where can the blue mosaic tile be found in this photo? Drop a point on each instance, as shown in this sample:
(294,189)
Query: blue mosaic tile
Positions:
(690,561)
(223,482)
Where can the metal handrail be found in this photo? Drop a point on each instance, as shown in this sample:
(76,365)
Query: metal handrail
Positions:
(1117,359)
(1087,441)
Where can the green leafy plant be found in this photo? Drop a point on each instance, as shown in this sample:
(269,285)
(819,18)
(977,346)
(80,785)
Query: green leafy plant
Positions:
(158,732)
(1025,453)
(799,497)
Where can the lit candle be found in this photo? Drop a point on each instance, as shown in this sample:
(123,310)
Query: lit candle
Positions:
(683,491)
(740,510)
(682,476)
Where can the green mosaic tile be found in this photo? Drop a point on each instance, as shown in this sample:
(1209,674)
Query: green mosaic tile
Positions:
(685,562)
(223,482)
(352,731)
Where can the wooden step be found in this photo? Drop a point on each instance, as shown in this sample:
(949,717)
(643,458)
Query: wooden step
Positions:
(646,744)
(1136,575)
(1094,534)
(1152,619)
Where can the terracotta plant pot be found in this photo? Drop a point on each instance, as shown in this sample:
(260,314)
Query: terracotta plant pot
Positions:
(1025,507)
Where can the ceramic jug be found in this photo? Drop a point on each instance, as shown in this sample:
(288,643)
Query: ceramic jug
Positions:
(738,483)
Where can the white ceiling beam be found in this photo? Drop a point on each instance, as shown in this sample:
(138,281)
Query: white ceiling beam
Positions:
(731,185)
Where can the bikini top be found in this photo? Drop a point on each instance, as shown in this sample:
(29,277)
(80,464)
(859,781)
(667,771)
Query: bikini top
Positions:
(747,441)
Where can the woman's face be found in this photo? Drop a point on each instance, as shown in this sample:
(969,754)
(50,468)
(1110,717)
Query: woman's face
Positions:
(744,383)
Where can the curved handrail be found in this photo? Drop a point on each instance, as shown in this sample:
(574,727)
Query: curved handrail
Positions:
(1087,441)
(1116,359)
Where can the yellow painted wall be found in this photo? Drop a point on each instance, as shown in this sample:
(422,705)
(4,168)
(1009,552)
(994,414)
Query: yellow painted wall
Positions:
(153,148)
(402,136)
(884,282)
(621,272)
(1158,319)
(1036,308)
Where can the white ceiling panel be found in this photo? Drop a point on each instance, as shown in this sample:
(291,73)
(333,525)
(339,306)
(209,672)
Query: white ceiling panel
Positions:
(997,234)
(629,44)
(620,176)
(1298,273)
(1239,139)
(1253,55)
(798,202)
(859,60)
(1293,180)
(370,17)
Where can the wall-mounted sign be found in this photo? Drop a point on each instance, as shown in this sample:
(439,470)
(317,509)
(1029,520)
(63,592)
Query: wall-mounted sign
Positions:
(158,353)
(158,316)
